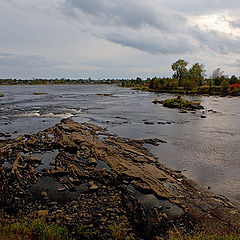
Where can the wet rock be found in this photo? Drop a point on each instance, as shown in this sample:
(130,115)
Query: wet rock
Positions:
(1,95)
(58,172)
(74,181)
(32,160)
(39,93)
(5,135)
(92,161)
(16,164)
(149,123)
(106,95)
(93,186)
(142,187)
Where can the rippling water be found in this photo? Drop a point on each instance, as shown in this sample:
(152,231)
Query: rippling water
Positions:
(206,149)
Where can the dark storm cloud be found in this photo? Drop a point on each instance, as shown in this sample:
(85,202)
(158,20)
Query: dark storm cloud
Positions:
(17,60)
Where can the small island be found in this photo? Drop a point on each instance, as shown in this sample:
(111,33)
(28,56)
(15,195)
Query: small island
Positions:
(180,103)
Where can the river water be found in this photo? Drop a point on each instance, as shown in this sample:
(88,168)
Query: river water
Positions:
(207,149)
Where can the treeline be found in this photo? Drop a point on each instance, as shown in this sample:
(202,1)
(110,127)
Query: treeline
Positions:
(40,81)
(184,80)
(190,80)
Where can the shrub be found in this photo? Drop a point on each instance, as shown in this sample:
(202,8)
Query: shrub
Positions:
(235,85)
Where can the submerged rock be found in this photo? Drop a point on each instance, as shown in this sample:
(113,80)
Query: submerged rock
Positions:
(40,93)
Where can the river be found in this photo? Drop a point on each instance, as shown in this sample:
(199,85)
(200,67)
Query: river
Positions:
(206,150)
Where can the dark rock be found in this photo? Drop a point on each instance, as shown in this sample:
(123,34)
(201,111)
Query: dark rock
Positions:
(39,93)
(149,123)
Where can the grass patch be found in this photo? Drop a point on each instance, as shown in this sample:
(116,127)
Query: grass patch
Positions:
(36,229)
(118,231)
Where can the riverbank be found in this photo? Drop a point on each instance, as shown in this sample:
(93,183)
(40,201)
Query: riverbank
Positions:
(82,177)
(187,92)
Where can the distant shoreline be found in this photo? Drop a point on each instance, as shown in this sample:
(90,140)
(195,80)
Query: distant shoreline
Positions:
(184,92)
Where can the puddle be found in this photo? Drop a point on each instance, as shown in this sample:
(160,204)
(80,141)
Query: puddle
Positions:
(46,158)
(149,199)
(51,186)
(101,164)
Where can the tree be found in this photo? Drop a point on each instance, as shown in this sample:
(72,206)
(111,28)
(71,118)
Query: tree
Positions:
(224,86)
(171,84)
(188,84)
(179,67)
(138,80)
(196,74)
(216,76)
(233,80)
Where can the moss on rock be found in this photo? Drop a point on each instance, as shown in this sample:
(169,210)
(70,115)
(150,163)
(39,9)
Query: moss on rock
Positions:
(181,103)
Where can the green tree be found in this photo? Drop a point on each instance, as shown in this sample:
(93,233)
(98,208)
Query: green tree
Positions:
(179,67)
(138,80)
(233,80)
(189,84)
(171,84)
(216,76)
(224,86)
(196,74)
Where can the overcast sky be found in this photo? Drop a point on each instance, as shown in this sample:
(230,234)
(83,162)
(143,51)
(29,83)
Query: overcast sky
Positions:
(116,38)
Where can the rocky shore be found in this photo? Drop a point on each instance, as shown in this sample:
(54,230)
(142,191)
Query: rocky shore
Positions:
(101,186)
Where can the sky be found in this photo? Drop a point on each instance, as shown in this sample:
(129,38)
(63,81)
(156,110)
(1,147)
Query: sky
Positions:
(116,38)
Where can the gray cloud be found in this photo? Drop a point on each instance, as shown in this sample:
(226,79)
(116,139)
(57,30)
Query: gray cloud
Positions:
(216,41)
(132,14)
(85,31)
(236,63)
(132,23)
(17,60)
(235,23)
(202,7)
(159,43)
(137,25)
